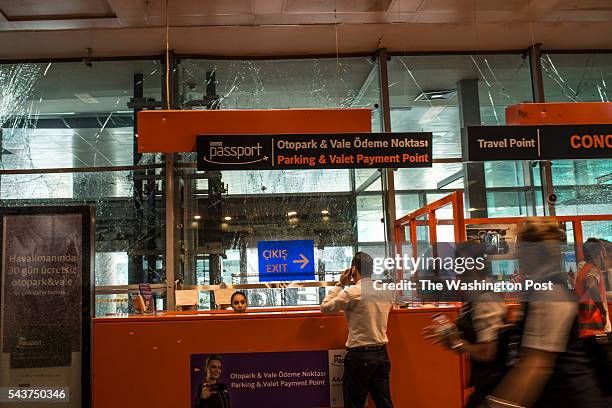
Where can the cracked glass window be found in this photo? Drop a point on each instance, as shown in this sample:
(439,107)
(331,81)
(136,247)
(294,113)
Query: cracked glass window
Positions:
(582,186)
(577,77)
(69,114)
(129,224)
(423,92)
(57,118)
(237,209)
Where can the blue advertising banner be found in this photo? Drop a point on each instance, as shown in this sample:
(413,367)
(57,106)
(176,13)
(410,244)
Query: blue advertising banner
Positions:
(297,379)
(286,260)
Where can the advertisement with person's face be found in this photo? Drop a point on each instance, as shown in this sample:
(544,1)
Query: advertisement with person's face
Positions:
(293,379)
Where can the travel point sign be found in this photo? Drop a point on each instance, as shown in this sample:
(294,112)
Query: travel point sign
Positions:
(286,260)
(315,151)
(547,142)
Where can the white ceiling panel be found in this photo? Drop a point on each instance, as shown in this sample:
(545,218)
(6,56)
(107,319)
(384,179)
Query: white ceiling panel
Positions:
(289,27)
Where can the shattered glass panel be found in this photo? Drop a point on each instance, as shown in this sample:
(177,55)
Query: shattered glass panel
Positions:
(279,84)
(222,227)
(129,216)
(240,208)
(583,186)
(423,92)
(68,115)
(577,77)
(285,181)
(73,114)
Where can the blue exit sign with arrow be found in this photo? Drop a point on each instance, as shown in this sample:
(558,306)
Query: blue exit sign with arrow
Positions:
(286,260)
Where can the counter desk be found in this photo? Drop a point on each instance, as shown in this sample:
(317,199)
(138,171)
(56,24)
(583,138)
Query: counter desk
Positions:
(144,361)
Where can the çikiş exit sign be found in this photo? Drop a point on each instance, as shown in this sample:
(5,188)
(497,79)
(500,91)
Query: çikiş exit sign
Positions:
(286,260)
(550,142)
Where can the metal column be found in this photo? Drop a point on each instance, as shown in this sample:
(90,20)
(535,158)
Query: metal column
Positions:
(170,232)
(474,175)
(387,176)
(537,86)
(170,255)
(135,272)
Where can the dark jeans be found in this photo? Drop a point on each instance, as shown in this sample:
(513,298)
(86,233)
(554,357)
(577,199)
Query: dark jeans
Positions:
(367,371)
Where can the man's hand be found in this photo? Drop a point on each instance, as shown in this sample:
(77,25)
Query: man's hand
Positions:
(449,340)
(346,276)
(432,333)
(206,392)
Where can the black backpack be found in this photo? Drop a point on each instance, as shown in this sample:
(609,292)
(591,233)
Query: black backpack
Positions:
(488,373)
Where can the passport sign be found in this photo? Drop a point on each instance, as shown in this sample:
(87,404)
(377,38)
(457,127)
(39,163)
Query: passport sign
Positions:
(286,260)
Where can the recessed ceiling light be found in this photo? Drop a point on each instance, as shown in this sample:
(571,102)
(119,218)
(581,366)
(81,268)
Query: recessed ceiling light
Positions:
(228,218)
(197,217)
(291,213)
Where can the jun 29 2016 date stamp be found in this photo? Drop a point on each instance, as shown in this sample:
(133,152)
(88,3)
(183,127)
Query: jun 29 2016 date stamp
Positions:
(34,394)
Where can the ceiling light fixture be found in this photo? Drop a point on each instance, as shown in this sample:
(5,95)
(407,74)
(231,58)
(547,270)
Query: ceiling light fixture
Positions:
(443,95)
(291,214)
(197,217)
(228,218)
(324,212)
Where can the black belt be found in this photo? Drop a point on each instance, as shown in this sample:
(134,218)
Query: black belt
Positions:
(380,347)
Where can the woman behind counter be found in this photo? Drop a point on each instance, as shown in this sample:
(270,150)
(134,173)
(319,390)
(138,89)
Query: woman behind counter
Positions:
(239,302)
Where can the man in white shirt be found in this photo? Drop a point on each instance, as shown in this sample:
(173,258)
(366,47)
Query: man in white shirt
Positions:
(366,365)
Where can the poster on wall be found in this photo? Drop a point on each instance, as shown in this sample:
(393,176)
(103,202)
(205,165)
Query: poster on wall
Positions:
(296,379)
(45,305)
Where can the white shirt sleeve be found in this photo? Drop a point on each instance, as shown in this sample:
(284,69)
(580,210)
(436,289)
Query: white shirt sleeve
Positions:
(337,299)
(548,325)
(487,318)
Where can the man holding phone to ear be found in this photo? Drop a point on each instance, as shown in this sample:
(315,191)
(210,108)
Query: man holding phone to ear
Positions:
(366,365)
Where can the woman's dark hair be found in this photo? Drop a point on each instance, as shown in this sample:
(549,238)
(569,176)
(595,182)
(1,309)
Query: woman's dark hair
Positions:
(364,263)
(238,293)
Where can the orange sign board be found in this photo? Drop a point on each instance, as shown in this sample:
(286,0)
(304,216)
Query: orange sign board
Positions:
(172,131)
(562,113)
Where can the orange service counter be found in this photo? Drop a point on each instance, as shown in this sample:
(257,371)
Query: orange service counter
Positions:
(144,361)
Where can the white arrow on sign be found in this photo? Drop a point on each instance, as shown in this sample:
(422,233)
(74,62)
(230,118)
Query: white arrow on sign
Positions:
(304,261)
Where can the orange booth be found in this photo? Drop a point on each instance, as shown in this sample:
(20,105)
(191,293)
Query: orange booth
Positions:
(145,361)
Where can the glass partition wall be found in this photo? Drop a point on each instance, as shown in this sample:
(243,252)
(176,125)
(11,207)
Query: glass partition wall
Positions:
(68,138)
